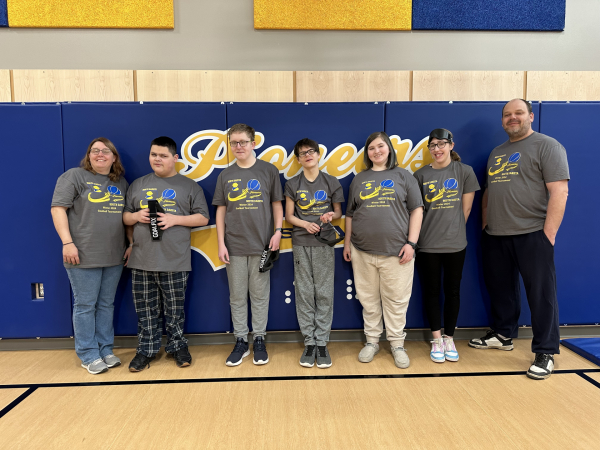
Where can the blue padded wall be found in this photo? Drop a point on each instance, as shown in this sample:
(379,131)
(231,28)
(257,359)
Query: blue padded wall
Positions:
(31,250)
(132,126)
(3,14)
(577,247)
(331,125)
(533,15)
(477,129)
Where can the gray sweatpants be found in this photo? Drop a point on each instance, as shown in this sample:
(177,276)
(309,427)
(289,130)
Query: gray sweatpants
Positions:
(243,277)
(313,279)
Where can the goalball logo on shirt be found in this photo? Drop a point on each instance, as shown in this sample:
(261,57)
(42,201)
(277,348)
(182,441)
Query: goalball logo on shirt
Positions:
(314,206)
(449,190)
(113,196)
(166,199)
(252,190)
(502,170)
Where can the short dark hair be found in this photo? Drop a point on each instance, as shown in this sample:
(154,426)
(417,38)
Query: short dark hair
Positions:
(529,107)
(242,128)
(392,160)
(165,141)
(306,142)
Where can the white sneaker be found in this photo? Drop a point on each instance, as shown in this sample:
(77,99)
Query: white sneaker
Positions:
(450,352)
(437,351)
(400,357)
(96,367)
(368,352)
(542,367)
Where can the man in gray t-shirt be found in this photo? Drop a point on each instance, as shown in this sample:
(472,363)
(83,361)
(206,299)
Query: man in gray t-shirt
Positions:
(523,207)
(160,267)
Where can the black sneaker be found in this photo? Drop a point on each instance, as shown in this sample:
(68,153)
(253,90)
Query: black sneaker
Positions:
(492,340)
(260,351)
(308,357)
(323,358)
(542,367)
(240,351)
(182,357)
(140,362)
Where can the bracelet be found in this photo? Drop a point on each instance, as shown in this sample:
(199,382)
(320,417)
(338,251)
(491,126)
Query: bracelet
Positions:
(131,245)
(68,243)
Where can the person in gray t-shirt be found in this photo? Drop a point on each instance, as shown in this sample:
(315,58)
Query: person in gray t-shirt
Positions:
(383,220)
(448,188)
(523,207)
(313,200)
(87,209)
(161,256)
(248,199)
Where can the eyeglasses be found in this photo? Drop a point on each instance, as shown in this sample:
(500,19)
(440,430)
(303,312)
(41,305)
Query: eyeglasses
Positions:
(96,151)
(310,152)
(440,145)
(242,144)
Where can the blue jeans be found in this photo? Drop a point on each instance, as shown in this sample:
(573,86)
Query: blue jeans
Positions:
(94,292)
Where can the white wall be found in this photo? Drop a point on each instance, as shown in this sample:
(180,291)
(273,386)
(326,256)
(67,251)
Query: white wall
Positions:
(219,34)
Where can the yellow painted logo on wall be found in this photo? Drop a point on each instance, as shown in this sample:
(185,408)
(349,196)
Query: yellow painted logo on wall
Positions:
(343,160)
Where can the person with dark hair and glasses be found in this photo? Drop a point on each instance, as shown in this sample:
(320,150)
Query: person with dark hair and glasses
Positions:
(163,207)
(447,187)
(383,220)
(313,200)
(87,208)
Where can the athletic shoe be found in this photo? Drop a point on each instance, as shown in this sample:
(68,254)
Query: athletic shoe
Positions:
(542,367)
(260,351)
(140,362)
(96,367)
(240,351)
(308,357)
(111,361)
(492,340)
(437,351)
(323,358)
(182,357)
(368,352)
(400,357)
(450,352)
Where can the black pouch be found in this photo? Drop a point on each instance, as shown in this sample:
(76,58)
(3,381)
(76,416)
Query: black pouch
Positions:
(154,208)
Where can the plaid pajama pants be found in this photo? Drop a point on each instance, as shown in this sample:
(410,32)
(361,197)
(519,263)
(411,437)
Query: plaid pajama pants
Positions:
(153,291)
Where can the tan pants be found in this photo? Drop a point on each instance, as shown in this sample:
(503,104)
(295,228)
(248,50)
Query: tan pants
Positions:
(383,285)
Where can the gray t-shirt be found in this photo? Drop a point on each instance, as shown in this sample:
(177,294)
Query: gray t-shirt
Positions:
(517,173)
(444,228)
(176,195)
(312,199)
(248,194)
(379,204)
(95,211)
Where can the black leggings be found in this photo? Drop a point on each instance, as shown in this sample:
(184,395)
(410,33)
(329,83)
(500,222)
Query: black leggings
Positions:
(430,267)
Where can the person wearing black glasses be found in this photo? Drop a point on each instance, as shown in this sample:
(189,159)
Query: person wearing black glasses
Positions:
(313,200)
(447,187)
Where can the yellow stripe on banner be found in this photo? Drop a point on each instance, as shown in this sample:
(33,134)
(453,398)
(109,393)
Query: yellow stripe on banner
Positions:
(90,13)
(333,14)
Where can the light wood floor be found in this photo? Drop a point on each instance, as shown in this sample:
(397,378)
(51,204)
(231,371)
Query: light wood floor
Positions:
(470,410)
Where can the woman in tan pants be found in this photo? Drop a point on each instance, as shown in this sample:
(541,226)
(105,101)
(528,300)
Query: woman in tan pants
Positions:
(383,221)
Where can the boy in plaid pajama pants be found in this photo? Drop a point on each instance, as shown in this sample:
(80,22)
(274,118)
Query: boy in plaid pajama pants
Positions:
(161,254)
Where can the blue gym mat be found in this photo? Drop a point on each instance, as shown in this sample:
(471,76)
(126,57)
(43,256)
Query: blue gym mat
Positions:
(589,348)
(3,14)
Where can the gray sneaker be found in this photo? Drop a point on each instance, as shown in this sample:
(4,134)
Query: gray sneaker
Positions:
(400,357)
(368,352)
(111,361)
(308,357)
(323,358)
(96,367)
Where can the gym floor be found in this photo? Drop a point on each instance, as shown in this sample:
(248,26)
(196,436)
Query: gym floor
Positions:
(47,401)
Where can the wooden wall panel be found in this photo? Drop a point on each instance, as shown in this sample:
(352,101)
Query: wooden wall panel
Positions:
(562,86)
(338,86)
(215,85)
(467,85)
(73,85)
(5,86)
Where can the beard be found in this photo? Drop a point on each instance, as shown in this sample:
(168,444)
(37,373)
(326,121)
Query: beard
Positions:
(517,132)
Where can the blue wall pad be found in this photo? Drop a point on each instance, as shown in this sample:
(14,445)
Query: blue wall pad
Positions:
(31,250)
(589,348)
(576,250)
(530,15)
(3,14)
(477,130)
(131,127)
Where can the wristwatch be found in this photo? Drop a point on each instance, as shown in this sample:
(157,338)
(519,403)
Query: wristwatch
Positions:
(412,244)
(279,229)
